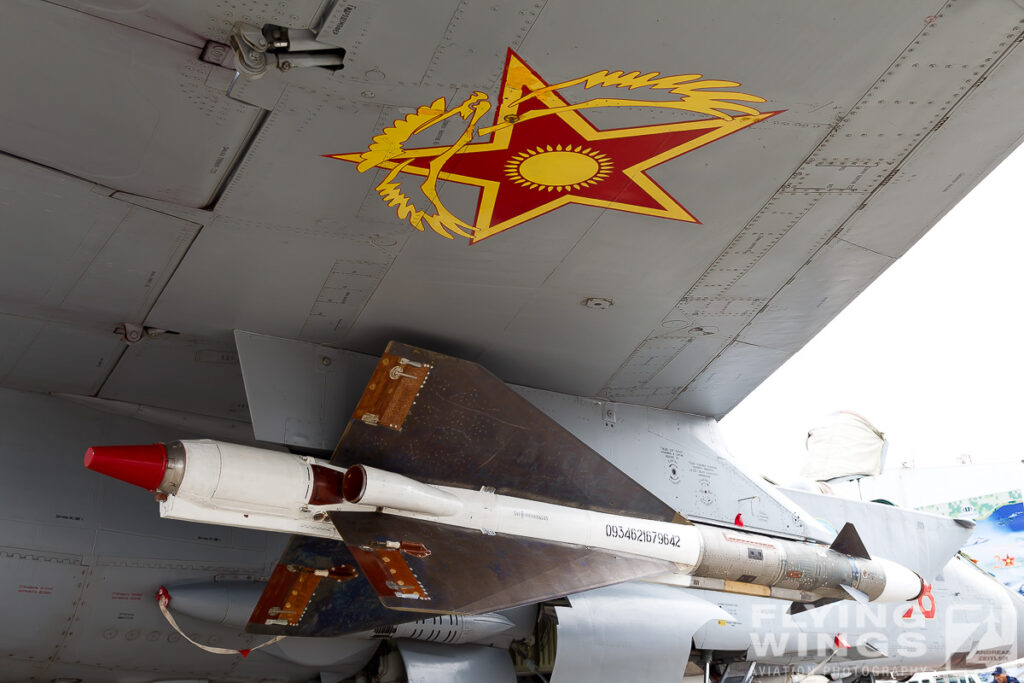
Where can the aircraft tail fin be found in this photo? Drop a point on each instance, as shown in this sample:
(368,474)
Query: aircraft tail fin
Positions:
(919,541)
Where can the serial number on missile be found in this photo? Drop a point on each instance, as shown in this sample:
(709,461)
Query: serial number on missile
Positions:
(642,535)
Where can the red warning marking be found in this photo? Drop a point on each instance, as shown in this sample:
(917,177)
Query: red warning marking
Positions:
(35,590)
(926,594)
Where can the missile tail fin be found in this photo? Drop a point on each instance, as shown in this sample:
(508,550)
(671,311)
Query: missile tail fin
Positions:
(857,595)
(849,542)
(798,607)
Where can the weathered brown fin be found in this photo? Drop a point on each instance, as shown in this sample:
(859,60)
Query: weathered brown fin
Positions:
(467,572)
(469,429)
(332,597)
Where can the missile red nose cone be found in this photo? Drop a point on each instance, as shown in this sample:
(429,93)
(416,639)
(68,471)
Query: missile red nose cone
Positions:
(140,465)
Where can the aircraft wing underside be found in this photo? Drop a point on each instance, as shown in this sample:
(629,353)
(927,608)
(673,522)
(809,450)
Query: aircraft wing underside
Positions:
(654,203)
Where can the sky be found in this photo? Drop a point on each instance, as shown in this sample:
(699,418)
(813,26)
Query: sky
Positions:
(930,353)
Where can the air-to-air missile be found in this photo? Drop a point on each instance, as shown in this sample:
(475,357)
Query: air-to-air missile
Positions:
(449,493)
(222,483)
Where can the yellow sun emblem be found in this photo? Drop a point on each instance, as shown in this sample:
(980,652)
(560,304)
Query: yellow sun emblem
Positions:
(557,168)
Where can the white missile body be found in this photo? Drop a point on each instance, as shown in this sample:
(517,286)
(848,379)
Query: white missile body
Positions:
(722,558)
(220,483)
(490,513)
(254,488)
(214,482)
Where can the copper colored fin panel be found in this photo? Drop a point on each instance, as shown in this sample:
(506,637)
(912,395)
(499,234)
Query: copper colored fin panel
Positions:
(467,572)
(286,596)
(392,390)
(389,573)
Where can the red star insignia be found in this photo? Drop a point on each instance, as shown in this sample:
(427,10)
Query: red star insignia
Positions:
(537,161)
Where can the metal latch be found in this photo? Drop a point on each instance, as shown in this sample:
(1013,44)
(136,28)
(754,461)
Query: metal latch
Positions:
(256,49)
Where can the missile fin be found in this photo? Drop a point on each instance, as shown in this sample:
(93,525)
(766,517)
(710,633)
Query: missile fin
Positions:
(878,646)
(420,566)
(449,422)
(798,607)
(848,542)
(330,605)
(859,596)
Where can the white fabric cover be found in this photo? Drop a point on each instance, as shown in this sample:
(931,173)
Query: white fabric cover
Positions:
(844,445)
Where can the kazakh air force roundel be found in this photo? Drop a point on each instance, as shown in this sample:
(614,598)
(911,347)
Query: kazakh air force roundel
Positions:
(541,153)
